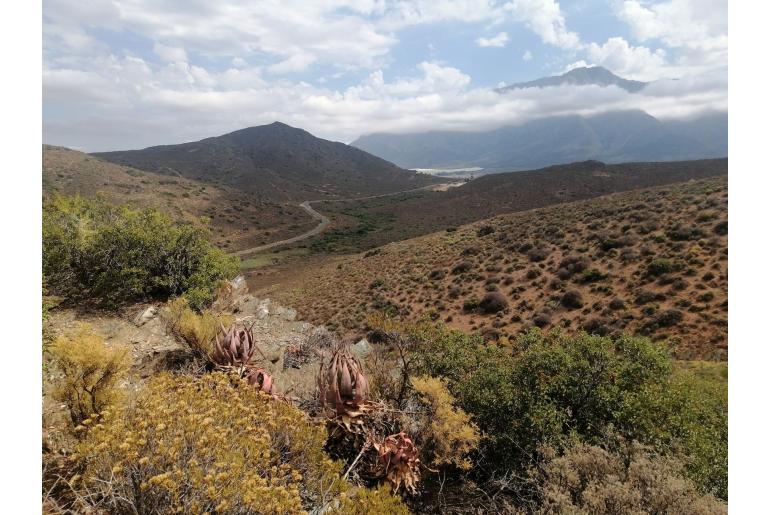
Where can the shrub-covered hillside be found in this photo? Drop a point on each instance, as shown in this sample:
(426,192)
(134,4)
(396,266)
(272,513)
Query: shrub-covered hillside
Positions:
(651,262)
(237,219)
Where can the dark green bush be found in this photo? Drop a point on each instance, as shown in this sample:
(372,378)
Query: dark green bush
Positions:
(551,388)
(538,254)
(493,302)
(681,233)
(541,319)
(462,267)
(115,254)
(591,275)
(485,230)
(572,299)
(660,266)
(471,305)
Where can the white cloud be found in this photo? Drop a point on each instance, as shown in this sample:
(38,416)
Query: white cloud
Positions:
(630,62)
(577,64)
(282,28)
(546,19)
(100,98)
(295,63)
(435,79)
(398,14)
(496,41)
(170,53)
(697,30)
(700,24)
(129,103)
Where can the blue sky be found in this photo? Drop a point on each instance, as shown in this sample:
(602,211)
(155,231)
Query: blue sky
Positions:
(130,73)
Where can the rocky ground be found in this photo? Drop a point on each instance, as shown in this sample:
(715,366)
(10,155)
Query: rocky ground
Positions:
(154,348)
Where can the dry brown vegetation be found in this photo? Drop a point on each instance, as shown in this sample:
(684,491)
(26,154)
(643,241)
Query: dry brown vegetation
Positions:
(237,219)
(589,479)
(651,262)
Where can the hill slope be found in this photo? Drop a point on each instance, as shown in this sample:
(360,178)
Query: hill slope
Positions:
(237,220)
(613,137)
(275,162)
(418,213)
(651,261)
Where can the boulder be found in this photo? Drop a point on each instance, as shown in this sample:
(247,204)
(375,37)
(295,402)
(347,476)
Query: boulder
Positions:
(361,348)
(145,316)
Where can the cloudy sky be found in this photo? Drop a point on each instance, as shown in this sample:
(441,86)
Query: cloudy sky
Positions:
(121,74)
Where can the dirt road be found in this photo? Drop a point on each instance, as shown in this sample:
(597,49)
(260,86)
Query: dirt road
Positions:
(323,221)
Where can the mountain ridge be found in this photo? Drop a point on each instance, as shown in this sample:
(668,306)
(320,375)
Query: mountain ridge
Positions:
(276,162)
(582,76)
(611,137)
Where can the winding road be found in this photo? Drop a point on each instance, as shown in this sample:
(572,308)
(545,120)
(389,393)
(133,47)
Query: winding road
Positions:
(323,220)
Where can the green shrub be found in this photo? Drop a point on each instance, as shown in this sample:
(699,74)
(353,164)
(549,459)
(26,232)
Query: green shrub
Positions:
(493,302)
(572,299)
(553,387)
(591,275)
(471,305)
(660,266)
(116,254)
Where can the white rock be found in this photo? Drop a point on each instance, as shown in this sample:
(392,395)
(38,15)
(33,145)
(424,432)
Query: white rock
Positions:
(238,285)
(145,316)
(362,347)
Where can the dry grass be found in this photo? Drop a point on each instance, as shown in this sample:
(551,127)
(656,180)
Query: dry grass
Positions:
(196,330)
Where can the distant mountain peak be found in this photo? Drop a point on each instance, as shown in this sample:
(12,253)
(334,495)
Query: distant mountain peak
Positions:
(276,162)
(582,76)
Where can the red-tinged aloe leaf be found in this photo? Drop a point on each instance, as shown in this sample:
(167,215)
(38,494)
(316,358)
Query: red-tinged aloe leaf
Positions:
(362,387)
(267,383)
(346,383)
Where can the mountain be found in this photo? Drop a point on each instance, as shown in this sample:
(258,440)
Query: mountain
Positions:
(613,137)
(275,162)
(584,76)
(253,223)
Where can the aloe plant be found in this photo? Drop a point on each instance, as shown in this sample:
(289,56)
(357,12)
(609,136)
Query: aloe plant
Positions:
(235,350)
(342,384)
(398,461)
(260,379)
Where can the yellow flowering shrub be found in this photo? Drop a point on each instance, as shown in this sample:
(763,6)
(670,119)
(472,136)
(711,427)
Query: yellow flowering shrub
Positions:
(450,434)
(91,371)
(208,444)
(196,330)
(366,501)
